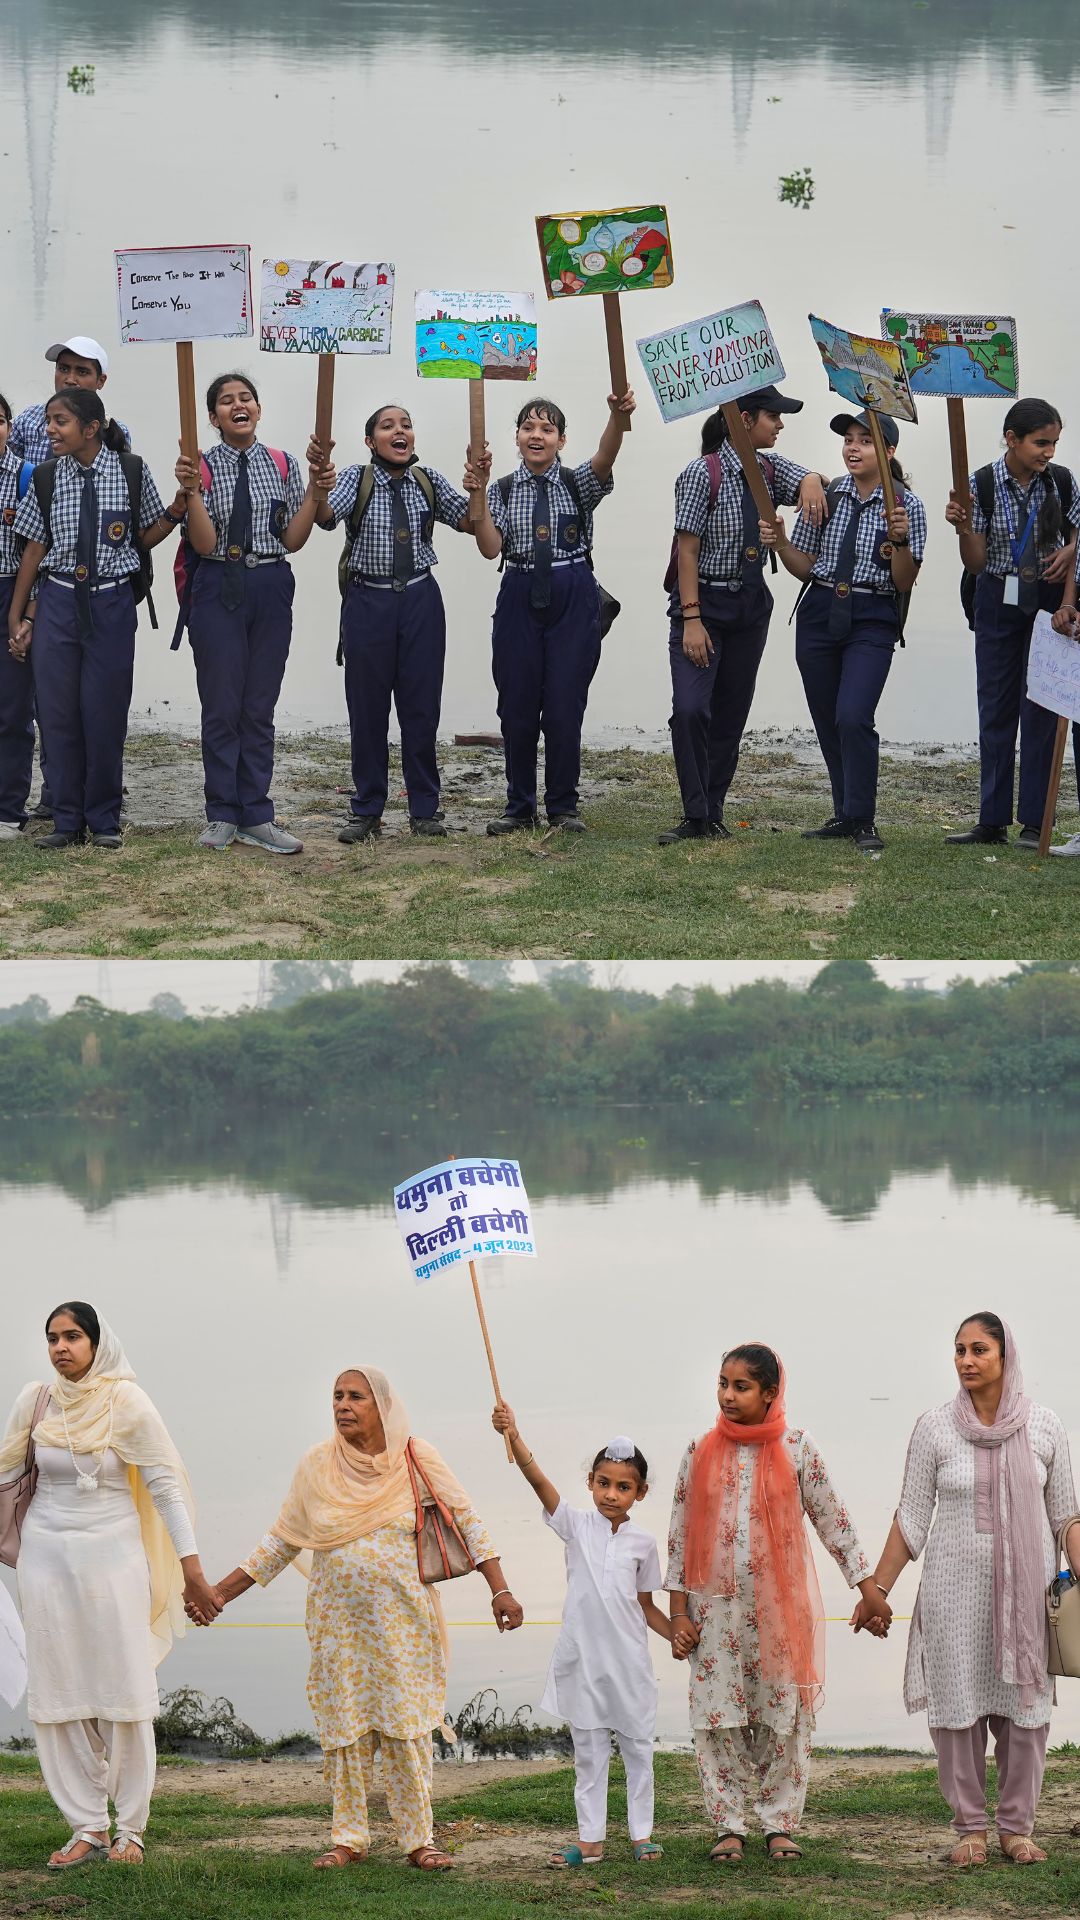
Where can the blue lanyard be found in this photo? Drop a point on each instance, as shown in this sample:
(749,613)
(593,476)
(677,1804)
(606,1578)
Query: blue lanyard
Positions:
(1017,546)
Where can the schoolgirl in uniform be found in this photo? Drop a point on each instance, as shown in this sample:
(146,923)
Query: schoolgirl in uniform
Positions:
(393,625)
(16,681)
(247,510)
(720,605)
(82,622)
(601,1679)
(1022,557)
(546,631)
(847,623)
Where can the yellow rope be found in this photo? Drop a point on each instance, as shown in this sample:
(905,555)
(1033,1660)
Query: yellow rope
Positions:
(268,1626)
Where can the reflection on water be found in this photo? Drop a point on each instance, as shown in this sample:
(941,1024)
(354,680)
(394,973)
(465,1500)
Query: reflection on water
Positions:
(306,108)
(244,1268)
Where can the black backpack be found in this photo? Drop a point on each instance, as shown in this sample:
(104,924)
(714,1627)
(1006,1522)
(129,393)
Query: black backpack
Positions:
(1060,478)
(365,487)
(44,479)
(903,600)
(610,608)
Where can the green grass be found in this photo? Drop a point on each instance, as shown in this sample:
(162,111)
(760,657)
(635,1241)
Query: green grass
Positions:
(610,894)
(871,1852)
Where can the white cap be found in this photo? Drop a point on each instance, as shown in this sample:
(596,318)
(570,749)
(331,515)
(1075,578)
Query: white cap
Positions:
(86,349)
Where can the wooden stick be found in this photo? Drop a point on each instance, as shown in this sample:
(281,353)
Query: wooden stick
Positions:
(324,402)
(499,1401)
(616,353)
(748,459)
(961,472)
(882,451)
(185,381)
(477,437)
(1060,740)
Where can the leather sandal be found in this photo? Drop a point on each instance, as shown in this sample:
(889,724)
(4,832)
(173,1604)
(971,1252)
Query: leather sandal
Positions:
(1020,1848)
(781,1846)
(969,1851)
(61,1861)
(339,1856)
(430,1859)
(728,1851)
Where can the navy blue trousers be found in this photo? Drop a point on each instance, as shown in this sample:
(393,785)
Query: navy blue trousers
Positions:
(16,722)
(1002,643)
(710,705)
(543,664)
(83,691)
(843,681)
(240,656)
(395,649)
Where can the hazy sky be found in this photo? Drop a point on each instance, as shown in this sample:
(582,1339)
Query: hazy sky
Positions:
(129,985)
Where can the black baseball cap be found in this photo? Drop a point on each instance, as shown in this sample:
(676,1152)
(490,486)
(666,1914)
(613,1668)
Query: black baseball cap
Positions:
(769,400)
(890,432)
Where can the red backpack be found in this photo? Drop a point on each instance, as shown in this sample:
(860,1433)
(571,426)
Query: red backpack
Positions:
(186,562)
(716,481)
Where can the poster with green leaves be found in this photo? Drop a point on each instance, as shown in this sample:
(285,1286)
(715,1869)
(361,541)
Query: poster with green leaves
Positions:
(622,251)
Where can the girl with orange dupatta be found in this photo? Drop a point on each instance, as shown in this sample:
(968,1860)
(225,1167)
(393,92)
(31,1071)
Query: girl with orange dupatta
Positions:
(745,1604)
(377,1682)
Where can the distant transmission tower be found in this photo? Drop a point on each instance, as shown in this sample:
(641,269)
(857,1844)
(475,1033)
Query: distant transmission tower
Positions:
(266,983)
(104,994)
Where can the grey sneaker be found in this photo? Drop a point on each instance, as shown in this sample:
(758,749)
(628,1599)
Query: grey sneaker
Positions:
(271,838)
(10,830)
(1070,846)
(218,835)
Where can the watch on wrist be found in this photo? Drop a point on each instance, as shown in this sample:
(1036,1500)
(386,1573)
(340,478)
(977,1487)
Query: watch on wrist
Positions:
(901,540)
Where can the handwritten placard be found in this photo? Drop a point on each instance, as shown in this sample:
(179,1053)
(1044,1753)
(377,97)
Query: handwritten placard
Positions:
(962,356)
(463,1210)
(723,356)
(326,306)
(184,293)
(475,336)
(1054,669)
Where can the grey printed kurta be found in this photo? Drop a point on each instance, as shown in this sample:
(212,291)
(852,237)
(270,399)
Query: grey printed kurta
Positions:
(950,1659)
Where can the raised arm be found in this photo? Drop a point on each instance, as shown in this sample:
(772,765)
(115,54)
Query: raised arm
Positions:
(503,1421)
(611,439)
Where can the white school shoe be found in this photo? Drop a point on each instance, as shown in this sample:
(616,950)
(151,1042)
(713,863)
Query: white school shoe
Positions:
(10,830)
(271,838)
(217,835)
(1070,846)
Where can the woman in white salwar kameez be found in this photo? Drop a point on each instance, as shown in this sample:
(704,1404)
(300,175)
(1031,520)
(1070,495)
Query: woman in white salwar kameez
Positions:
(745,1603)
(106,1558)
(997,1469)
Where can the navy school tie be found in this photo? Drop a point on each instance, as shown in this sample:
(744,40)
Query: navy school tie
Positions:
(402,527)
(751,554)
(237,539)
(844,574)
(540,584)
(86,555)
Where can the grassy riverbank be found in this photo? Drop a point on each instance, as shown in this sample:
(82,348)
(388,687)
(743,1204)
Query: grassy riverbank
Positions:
(611,893)
(236,1840)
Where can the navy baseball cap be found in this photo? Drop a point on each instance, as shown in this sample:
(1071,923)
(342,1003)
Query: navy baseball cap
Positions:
(769,400)
(890,432)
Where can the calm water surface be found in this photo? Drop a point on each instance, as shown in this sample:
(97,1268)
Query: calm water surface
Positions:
(245,1267)
(430,135)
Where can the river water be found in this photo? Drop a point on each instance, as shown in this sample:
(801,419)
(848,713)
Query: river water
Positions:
(431,134)
(245,1264)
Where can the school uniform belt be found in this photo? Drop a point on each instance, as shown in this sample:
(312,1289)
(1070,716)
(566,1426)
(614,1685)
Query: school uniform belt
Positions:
(881,593)
(250,559)
(523,566)
(103,586)
(387,586)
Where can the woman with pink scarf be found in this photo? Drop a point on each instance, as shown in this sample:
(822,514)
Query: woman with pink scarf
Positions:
(998,1468)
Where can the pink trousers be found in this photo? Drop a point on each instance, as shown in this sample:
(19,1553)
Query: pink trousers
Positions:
(1020,1753)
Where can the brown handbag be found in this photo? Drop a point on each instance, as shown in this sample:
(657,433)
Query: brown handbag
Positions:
(16,1496)
(442,1552)
(1063,1614)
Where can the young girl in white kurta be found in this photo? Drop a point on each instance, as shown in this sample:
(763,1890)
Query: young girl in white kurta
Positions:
(601,1679)
(745,1604)
(107,1552)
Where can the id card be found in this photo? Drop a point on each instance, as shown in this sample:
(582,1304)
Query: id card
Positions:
(1011,595)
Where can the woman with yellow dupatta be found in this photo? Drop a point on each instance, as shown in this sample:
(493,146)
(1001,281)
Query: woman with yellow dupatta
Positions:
(107,1556)
(745,1603)
(377,1681)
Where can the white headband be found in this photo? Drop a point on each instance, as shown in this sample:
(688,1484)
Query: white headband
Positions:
(621,1448)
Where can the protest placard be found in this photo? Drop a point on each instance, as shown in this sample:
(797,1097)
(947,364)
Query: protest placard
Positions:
(869,374)
(723,356)
(180,295)
(958,357)
(465,1210)
(1053,681)
(325,307)
(475,337)
(625,250)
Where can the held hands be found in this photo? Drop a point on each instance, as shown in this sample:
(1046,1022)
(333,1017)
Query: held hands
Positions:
(811,500)
(19,637)
(504,1421)
(202,1602)
(958,511)
(684,1636)
(873,1613)
(508,1612)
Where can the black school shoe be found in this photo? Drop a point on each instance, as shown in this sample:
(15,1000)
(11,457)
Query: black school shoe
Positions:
(981,837)
(834,829)
(511,823)
(53,842)
(1029,837)
(365,826)
(431,827)
(113,841)
(688,829)
(867,838)
(569,822)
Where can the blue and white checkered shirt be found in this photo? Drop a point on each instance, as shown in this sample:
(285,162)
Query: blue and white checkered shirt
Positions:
(372,552)
(28,435)
(826,541)
(721,531)
(10,545)
(999,557)
(116,556)
(274,501)
(515,520)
